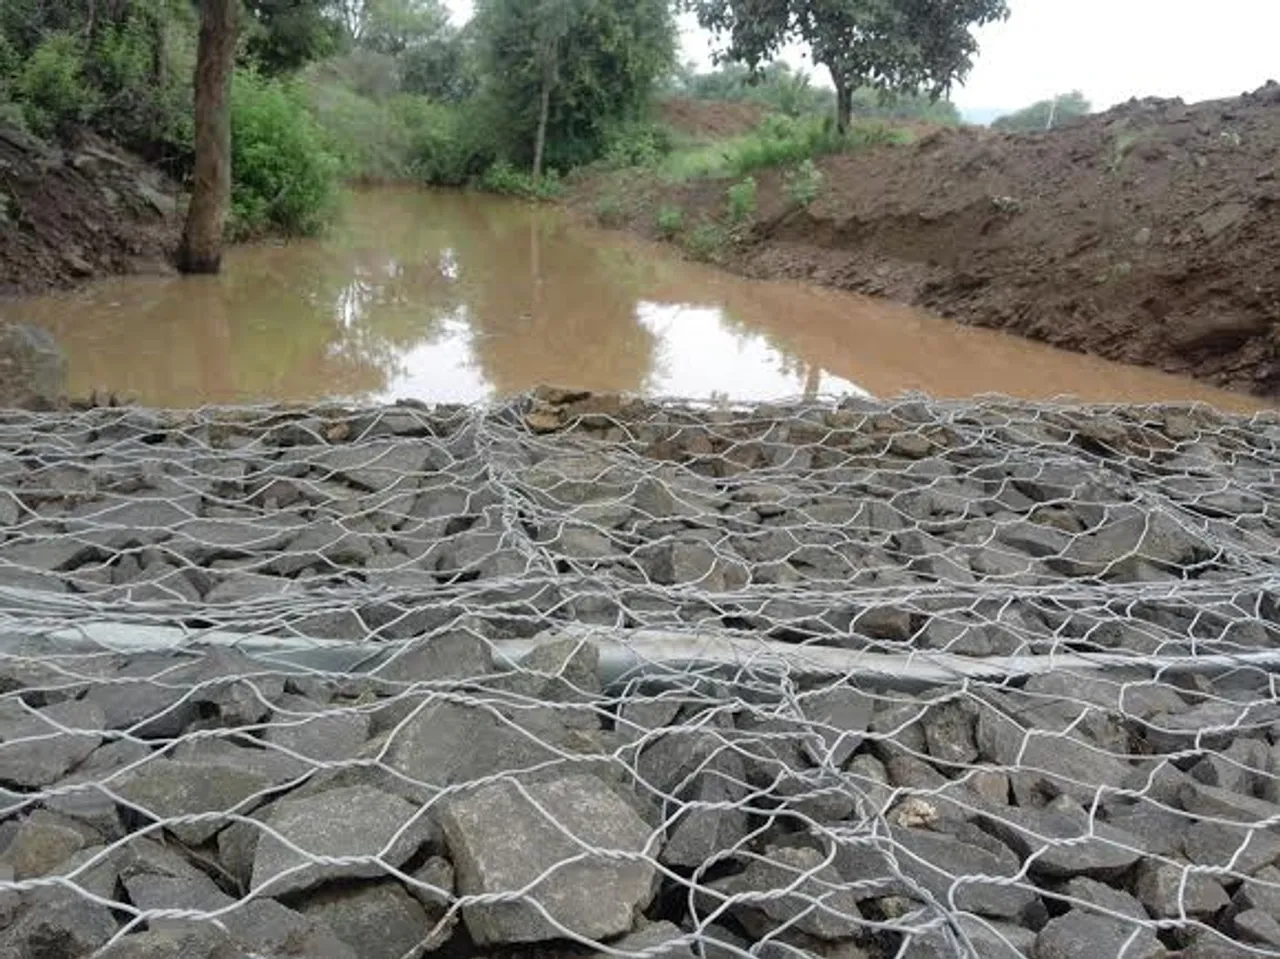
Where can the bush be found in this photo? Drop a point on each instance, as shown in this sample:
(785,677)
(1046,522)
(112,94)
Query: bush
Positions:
(443,144)
(285,178)
(503,178)
(706,241)
(803,184)
(635,144)
(610,210)
(742,199)
(52,86)
(670,221)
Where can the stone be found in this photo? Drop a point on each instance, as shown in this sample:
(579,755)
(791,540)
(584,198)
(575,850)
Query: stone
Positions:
(582,543)
(1260,892)
(562,671)
(461,653)
(687,563)
(94,869)
(949,733)
(196,941)
(987,939)
(39,845)
(447,743)
(1091,892)
(386,829)
(34,749)
(376,920)
(377,466)
(33,369)
(260,925)
(242,752)
(1064,844)
(145,695)
(1170,891)
(501,842)
(947,868)
(1084,935)
(1058,763)
(658,940)
(308,729)
(840,715)
(713,821)
(1241,768)
(322,541)
(235,588)
(57,924)
(1116,550)
(803,893)
(1215,803)
(164,789)
(1254,925)
(438,872)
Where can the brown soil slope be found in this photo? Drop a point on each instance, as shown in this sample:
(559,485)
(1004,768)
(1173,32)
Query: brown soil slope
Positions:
(709,119)
(67,216)
(1148,234)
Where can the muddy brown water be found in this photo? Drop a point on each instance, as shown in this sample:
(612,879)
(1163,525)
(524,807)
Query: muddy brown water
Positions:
(450,296)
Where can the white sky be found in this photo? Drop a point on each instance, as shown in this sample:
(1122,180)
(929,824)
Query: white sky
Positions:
(1110,49)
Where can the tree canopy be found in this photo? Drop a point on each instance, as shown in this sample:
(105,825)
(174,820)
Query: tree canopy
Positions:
(1046,114)
(903,46)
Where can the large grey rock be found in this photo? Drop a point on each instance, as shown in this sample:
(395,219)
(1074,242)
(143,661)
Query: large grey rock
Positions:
(501,840)
(377,920)
(1126,542)
(257,925)
(57,924)
(841,715)
(147,695)
(203,941)
(987,939)
(714,820)
(323,540)
(36,748)
(1254,925)
(40,843)
(33,369)
(1091,892)
(164,789)
(378,466)
(790,885)
(94,869)
(313,732)
(1084,935)
(1170,891)
(1261,892)
(275,766)
(658,940)
(947,867)
(694,563)
(949,734)
(1215,803)
(356,821)
(1063,844)
(461,653)
(1059,763)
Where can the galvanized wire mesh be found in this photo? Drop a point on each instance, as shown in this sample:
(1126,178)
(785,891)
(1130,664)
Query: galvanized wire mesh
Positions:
(578,675)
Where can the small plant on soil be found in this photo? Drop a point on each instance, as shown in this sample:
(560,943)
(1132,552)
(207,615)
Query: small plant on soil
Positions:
(743,201)
(803,184)
(670,221)
(610,211)
(706,241)
(1121,147)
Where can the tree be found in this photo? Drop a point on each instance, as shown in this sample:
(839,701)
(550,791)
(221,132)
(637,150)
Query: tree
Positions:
(896,46)
(592,64)
(285,35)
(1046,114)
(201,248)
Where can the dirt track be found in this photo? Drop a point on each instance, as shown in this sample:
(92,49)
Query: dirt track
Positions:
(1148,234)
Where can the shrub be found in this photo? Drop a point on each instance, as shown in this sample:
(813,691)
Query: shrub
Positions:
(610,210)
(52,86)
(635,144)
(803,184)
(742,199)
(706,241)
(503,178)
(8,66)
(285,178)
(670,221)
(442,143)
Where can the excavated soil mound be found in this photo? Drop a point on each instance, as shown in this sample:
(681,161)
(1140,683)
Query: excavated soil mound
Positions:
(709,119)
(69,215)
(1148,234)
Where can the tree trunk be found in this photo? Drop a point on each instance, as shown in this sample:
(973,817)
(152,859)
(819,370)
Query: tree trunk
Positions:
(201,249)
(844,103)
(544,112)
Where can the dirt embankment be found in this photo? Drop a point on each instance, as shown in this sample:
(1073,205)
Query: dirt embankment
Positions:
(709,119)
(1148,234)
(69,215)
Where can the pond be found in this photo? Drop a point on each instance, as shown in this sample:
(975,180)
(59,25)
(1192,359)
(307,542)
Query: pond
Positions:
(445,296)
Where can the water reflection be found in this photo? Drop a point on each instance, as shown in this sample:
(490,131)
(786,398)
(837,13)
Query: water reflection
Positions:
(446,296)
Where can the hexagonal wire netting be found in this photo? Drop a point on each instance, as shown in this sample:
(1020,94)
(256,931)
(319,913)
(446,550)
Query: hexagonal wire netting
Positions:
(579,675)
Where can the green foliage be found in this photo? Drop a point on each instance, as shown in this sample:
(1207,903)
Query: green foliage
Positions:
(1045,115)
(803,184)
(635,143)
(8,65)
(282,36)
(1121,147)
(285,178)
(443,68)
(505,179)
(922,46)
(670,221)
(444,146)
(707,241)
(610,210)
(394,26)
(53,87)
(601,58)
(743,201)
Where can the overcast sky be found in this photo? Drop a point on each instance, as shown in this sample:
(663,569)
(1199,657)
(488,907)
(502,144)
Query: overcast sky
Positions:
(1110,49)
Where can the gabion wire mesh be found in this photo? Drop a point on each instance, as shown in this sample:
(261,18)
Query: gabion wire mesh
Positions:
(582,675)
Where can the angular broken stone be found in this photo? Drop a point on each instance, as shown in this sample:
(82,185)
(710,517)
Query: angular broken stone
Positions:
(947,867)
(197,941)
(790,885)
(164,789)
(1170,891)
(461,653)
(371,826)
(58,924)
(313,732)
(38,747)
(39,845)
(501,840)
(658,940)
(841,715)
(377,920)
(1087,935)
(1063,844)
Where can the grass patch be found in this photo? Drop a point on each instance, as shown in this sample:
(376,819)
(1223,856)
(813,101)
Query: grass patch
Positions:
(742,201)
(610,210)
(803,184)
(505,179)
(670,221)
(778,141)
(707,241)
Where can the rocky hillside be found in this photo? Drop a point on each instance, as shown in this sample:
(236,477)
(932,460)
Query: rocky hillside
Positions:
(69,215)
